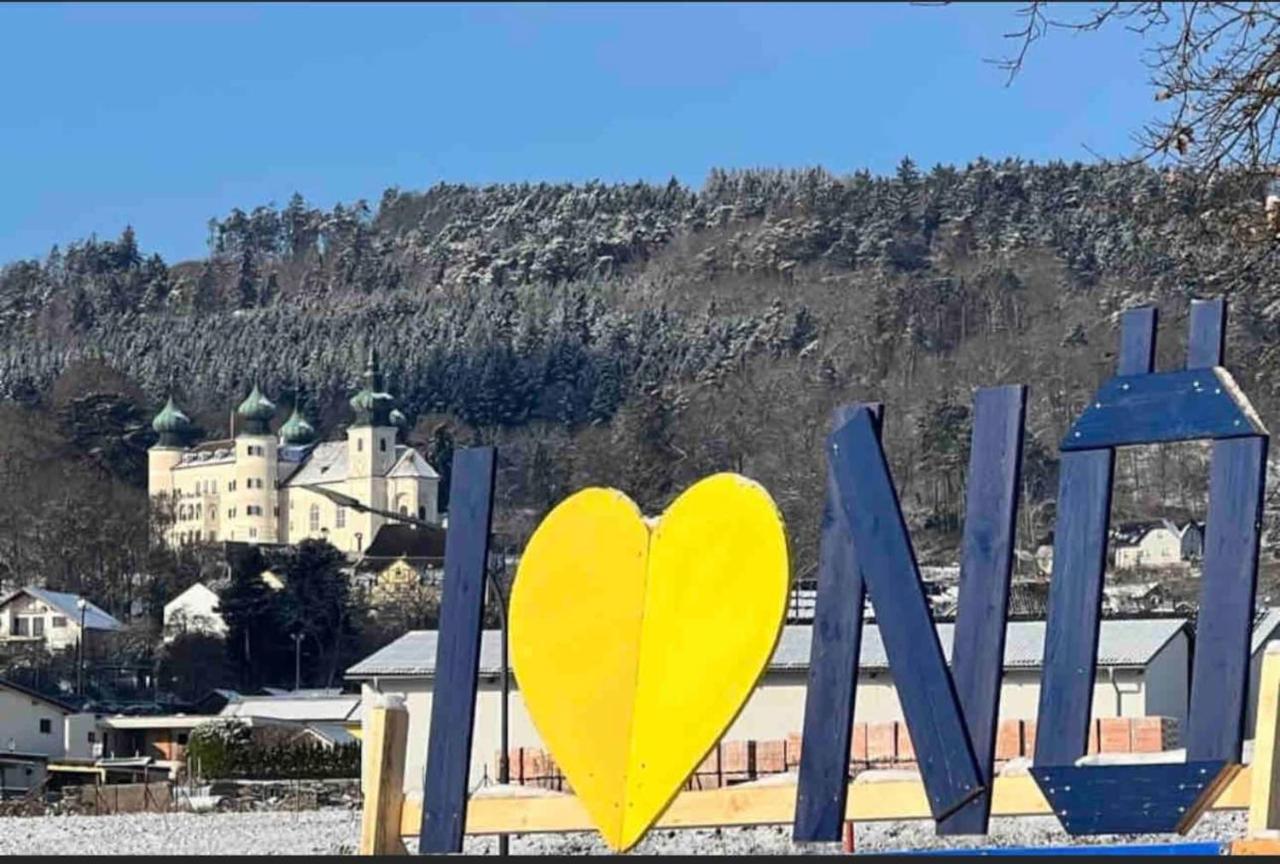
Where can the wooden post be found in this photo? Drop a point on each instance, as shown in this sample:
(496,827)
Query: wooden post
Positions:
(833,668)
(386,742)
(453,701)
(990,518)
(847,842)
(1264,800)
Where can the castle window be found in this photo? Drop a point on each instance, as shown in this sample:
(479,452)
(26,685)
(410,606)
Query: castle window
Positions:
(213,486)
(213,535)
(340,520)
(46,726)
(59,621)
(422,513)
(359,445)
(382,444)
(231,485)
(315,517)
(253,532)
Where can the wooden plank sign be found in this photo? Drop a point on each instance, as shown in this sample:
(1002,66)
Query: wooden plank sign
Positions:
(1140,406)
(833,668)
(466,553)
(991,510)
(888,565)
(637,643)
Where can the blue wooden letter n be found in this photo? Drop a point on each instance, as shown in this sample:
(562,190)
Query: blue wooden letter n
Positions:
(865,546)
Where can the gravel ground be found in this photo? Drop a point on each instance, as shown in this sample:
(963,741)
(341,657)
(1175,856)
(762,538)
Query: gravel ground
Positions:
(336,832)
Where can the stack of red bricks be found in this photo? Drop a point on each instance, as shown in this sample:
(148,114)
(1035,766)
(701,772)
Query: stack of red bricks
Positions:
(888,745)
(875,745)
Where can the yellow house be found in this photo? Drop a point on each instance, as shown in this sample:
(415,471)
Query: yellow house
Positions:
(400,560)
(266,487)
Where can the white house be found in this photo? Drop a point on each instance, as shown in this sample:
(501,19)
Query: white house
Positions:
(1147,544)
(193,611)
(32,731)
(34,616)
(1142,671)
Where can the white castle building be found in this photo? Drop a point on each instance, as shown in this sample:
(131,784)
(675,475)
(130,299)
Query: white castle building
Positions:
(261,486)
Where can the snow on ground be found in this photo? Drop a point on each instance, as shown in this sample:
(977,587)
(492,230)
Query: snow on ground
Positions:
(336,832)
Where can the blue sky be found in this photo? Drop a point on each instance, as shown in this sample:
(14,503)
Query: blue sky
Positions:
(162,116)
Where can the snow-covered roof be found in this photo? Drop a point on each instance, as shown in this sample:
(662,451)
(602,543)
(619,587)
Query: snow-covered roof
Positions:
(1265,625)
(1123,642)
(198,590)
(409,463)
(332,733)
(301,707)
(326,464)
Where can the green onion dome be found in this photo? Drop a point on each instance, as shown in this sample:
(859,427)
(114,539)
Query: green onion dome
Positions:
(256,411)
(172,425)
(371,405)
(296,430)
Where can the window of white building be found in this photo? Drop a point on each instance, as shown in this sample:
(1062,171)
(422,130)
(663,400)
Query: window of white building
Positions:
(315,517)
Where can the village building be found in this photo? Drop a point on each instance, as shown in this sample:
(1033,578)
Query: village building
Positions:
(32,731)
(265,487)
(195,610)
(1133,599)
(159,742)
(1151,544)
(1143,671)
(402,558)
(52,619)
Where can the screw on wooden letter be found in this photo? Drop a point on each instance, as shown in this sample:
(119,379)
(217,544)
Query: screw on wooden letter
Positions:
(1139,406)
(865,542)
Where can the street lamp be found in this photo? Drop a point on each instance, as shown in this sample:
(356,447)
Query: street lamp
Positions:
(83,606)
(297,659)
(504,768)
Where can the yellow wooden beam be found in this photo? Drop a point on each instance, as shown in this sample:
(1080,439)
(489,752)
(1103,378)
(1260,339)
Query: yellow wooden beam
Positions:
(757,804)
(382,818)
(1264,811)
(1255,847)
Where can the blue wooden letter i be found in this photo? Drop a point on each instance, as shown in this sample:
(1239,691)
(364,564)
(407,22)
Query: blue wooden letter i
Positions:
(453,704)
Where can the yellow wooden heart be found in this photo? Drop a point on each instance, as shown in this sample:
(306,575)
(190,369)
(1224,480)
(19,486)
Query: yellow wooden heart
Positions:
(636,643)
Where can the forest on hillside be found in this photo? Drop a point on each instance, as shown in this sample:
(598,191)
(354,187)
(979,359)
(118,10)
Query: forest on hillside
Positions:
(636,335)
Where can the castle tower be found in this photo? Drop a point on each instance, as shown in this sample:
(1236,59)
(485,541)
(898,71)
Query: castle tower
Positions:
(371,450)
(254,500)
(173,427)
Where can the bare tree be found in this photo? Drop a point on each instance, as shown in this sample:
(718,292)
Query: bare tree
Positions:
(1214,66)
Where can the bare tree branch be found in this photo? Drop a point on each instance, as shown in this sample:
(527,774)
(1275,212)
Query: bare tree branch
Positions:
(1215,69)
